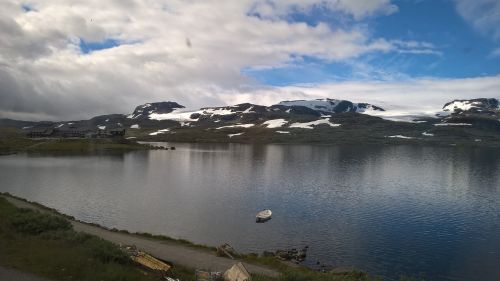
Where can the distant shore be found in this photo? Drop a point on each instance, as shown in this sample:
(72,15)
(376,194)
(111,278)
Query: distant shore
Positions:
(16,144)
(13,141)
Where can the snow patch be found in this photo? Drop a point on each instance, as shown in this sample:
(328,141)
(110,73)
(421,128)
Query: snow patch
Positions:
(275,123)
(135,126)
(218,111)
(234,135)
(309,125)
(328,105)
(236,126)
(283,132)
(397,116)
(183,115)
(179,115)
(453,124)
(427,134)
(159,132)
(400,137)
(248,110)
(101,127)
(462,105)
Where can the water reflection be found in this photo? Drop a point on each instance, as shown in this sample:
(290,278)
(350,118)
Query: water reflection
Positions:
(388,210)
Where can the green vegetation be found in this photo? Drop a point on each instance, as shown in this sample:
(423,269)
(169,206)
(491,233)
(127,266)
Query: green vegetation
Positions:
(174,240)
(28,222)
(182,273)
(301,273)
(47,246)
(12,141)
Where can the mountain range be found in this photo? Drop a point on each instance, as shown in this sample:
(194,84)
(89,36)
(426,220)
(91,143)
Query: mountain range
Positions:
(299,121)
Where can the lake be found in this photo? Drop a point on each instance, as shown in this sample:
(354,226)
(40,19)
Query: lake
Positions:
(431,212)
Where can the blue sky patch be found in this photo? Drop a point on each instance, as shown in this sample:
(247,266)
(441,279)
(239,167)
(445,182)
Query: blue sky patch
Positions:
(27,8)
(460,51)
(89,47)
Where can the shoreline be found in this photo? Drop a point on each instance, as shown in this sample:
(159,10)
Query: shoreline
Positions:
(56,146)
(349,142)
(151,242)
(182,252)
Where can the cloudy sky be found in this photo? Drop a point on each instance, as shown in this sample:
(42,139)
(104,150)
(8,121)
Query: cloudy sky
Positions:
(75,59)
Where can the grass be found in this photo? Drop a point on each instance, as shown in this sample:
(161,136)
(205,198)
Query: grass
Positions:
(46,245)
(12,141)
(183,242)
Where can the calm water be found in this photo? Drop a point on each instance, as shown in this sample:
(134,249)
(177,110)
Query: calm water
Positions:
(420,211)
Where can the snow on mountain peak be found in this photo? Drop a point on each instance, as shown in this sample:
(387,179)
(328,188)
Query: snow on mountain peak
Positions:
(145,110)
(332,105)
(473,105)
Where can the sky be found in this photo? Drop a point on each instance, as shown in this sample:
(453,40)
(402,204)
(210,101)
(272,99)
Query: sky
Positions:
(69,60)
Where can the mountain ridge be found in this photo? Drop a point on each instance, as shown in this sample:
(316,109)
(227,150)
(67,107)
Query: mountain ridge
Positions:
(303,121)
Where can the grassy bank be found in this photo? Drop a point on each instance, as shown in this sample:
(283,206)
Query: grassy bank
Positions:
(47,246)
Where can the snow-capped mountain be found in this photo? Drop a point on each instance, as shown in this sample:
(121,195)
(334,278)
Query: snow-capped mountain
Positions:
(318,121)
(145,110)
(333,105)
(208,113)
(482,105)
(320,107)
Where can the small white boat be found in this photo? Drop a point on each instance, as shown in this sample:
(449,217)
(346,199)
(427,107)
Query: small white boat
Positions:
(264,215)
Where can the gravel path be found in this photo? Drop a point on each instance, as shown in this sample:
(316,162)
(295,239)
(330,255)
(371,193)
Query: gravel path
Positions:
(168,251)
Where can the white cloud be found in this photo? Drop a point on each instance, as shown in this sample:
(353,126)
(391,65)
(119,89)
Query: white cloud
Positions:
(416,47)
(412,97)
(484,15)
(43,72)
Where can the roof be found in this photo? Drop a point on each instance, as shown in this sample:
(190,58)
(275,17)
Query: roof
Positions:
(237,272)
